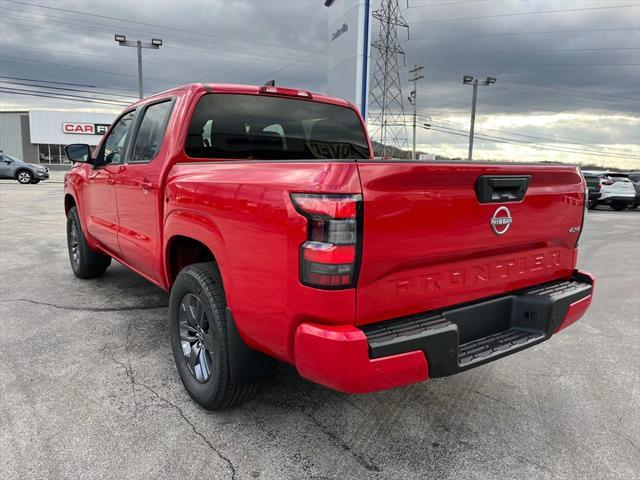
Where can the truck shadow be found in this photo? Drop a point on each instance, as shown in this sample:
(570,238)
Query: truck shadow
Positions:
(421,429)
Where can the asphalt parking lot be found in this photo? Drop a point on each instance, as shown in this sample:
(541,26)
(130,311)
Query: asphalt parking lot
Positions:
(88,387)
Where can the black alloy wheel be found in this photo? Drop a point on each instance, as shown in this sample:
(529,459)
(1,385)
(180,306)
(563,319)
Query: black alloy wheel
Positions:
(196,337)
(74,244)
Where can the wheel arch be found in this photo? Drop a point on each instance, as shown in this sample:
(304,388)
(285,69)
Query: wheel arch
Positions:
(69,202)
(192,237)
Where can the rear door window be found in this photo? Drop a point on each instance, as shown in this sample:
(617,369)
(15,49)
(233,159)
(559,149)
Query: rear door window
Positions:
(265,127)
(151,132)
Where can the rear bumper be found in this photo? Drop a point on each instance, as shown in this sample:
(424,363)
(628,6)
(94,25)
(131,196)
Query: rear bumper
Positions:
(435,344)
(616,198)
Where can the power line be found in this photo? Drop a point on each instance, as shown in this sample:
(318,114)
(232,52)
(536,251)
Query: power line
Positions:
(539,32)
(445,4)
(154,25)
(64,83)
(13,60)
(549,140)
(283,67)
(536,145)
(539,12)
(31,93)
(259,53)
(563,50)
(117,95)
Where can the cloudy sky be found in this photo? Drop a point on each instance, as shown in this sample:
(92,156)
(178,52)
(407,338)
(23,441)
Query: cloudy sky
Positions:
(568,70)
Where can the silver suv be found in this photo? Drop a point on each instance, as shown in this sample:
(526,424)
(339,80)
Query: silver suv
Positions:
(11,167)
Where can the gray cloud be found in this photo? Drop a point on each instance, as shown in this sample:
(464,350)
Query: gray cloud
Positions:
(587,66)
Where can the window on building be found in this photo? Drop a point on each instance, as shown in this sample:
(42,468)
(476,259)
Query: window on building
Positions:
(52,154)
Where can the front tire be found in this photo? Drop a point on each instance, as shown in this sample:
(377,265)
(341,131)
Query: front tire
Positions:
(618,206)
(85,263)
(198,330)
(24,177)
(592,205)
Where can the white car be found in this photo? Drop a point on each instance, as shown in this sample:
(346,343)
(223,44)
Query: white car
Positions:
(616,190)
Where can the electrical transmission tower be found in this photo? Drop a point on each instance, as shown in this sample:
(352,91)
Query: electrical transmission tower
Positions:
(386,101)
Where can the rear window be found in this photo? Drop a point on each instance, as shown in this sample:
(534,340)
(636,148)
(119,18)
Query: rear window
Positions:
(615,178)
(635,177)
(271,128)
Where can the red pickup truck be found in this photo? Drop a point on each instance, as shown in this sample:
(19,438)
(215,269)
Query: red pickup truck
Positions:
(280,237)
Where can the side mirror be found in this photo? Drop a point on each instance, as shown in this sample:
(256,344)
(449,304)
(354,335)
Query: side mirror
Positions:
(78,152)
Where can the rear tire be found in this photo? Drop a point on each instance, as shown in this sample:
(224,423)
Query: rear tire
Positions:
(198,330)
(85,262)
(24,177)
(618,206)
(592,205)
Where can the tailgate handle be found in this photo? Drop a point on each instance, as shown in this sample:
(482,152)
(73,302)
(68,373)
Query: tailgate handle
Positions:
(502,188)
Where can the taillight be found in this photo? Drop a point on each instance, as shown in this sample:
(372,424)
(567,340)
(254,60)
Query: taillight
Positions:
(607,181)
(329,258)
(287,92)
(585,206)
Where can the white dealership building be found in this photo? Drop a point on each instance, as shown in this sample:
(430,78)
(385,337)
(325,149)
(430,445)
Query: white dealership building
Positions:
(39,136)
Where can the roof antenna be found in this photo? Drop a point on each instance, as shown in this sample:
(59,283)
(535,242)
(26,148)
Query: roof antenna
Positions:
(270,83)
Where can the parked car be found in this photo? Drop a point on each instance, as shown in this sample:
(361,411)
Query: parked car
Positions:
(616,190)
(635,179)
(593,185)
(279,237)
(11,167)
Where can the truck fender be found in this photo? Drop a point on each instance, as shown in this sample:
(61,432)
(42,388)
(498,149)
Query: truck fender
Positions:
(200,227)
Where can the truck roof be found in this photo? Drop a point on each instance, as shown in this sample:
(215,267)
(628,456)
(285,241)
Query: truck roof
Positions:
(239,89)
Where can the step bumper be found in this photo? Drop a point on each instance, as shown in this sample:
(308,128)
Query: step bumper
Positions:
(435,344)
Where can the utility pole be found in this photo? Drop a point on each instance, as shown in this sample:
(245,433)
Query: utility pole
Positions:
(156,43)
(469,80)
(413,96)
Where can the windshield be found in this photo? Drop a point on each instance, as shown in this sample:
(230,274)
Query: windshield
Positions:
(270,128)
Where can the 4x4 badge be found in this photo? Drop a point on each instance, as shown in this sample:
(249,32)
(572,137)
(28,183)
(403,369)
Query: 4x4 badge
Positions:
(501,220)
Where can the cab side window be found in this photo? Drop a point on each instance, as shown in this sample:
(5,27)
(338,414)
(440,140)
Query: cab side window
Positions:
(151,132)
(113,148)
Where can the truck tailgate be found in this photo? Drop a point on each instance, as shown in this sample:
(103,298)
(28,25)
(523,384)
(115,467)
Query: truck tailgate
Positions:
(429,242)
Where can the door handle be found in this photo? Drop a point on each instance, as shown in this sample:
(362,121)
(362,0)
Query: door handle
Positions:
(146,185)
(502,188)
(111,181)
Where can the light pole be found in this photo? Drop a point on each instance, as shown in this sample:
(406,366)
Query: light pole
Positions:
(412,100)
(468,80)
(155,44)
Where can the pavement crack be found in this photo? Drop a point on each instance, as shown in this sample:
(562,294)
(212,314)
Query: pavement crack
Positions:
(623,436)
(343,445)
(87,309)
(524,459)
(223,457)
(129,371)
(497,400)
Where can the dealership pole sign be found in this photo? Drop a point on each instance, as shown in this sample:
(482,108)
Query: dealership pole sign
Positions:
(348,58)
(85,128)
